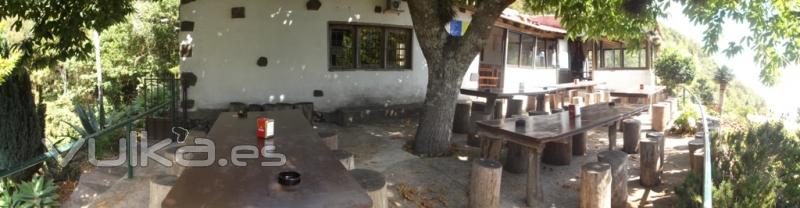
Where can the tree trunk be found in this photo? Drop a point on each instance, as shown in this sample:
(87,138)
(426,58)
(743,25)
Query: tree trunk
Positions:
(20,127)
(722,89)
(448,58)
(436,121)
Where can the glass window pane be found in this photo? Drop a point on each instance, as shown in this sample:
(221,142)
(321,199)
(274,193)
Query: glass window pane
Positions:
(611,58)
(526,53)
(634,58)
(370,47)
(541,56)
(341,47)
(398,48)
(512,57)
(551,54)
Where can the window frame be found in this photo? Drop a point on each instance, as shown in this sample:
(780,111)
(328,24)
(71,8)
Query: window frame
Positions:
(534,51)
(601,58)
(385,29)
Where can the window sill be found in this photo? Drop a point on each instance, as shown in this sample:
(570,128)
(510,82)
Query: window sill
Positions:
(367,69)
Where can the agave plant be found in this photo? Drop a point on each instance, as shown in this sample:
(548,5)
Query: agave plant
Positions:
(39,192)
(90,122)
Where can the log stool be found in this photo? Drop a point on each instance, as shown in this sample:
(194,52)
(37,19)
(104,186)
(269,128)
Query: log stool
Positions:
(346,158)
(514,108)
(695,145)
(543,103)
(619,176)
(516,158)
(596,185)
(661,140)
(472,139)
(484,183)
(607,96)
(697,162)
(159,187)
(462,115)
(648,163)
(498,109)
(478,106)
(330,138)
(555,102)
(579,144)
(631,135)
(658,116)
(375,184)
(558,152)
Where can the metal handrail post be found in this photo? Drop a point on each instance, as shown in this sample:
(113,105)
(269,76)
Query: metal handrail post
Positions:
(128,150)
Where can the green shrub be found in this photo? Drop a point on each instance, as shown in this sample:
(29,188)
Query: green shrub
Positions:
(686,122)
(674,70)
(39,192)
(758,167)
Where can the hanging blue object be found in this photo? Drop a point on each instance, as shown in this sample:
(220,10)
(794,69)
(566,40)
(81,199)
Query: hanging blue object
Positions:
(457,28)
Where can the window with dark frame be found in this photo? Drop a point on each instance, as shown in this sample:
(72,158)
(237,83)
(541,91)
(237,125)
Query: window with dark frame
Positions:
(526,51)
(622,58)
(368,47)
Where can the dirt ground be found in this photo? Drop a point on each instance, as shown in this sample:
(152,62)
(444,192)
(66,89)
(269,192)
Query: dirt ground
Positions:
(443,181)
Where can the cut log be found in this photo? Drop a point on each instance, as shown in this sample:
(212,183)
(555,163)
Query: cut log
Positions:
(159,187)
(484,183)
(697,161)
(596,185)
(514,108)
(516,158)
(631,135)
(544,100)
(375,184)
(498,109)
(491,147)
(661,147)
(619,176)
(607,96)
(478,106)
(579,144)
(694,145)
(555,102)
(330,138)
(346,158)
(558,152)
(648,163)
(462,117)
(577,101)
(658,116)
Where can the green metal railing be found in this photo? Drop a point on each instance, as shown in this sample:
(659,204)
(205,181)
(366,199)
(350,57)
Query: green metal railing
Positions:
(55,152)
(707,183)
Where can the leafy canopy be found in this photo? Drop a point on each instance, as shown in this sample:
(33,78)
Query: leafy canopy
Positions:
(774,25)
(673,70)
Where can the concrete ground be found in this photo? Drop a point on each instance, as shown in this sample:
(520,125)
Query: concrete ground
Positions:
(423,182)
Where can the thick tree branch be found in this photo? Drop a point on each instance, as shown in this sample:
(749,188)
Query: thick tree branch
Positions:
(486,13)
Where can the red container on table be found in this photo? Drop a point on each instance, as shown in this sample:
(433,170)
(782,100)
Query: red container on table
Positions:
(261,127)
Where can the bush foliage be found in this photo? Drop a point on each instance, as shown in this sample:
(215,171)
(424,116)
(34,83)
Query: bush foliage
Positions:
(759,167)
(674,70)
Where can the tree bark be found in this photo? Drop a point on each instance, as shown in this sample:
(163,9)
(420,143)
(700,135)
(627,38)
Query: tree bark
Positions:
(722,89)
(20,126)
(448,58)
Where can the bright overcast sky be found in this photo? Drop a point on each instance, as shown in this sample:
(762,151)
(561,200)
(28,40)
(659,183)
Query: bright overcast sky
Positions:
(782,98)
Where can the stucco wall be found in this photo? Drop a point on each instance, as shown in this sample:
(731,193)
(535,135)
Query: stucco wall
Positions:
(295,41)
(624,79)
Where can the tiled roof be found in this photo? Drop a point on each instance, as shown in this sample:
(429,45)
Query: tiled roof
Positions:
(547,23)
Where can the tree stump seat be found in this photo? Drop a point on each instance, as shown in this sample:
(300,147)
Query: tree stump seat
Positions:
(618,161)
(374,183)
(649,162)
(558,152)
(346,158)
(330,138)
(484,183)
(631,135)
(596,185)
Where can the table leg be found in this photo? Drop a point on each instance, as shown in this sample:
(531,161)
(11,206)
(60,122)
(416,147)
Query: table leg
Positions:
(490,105)
(612,136)
(540,102)
(533,189)
(491,147)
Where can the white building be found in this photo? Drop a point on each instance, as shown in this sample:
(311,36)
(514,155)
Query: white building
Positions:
(346,53)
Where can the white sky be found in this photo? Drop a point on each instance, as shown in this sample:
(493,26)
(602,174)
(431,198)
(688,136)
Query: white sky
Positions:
(781,98)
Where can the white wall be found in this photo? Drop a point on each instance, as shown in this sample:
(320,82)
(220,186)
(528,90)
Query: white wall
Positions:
(295,41)
(531,77)
(624,79)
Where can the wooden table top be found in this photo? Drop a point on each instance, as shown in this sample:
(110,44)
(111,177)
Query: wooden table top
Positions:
(649,90)
(571,85)
(324,181)
(547,128)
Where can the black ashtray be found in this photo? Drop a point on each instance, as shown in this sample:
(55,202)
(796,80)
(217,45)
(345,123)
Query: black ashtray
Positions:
(520,122)
(242,113)
(612,104)
(289,178)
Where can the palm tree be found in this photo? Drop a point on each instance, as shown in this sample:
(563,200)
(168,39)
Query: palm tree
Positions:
(723,76)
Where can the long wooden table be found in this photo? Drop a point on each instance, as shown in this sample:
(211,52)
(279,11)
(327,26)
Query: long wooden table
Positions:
(549,128)
(324,181)
(650,93)
(492,94)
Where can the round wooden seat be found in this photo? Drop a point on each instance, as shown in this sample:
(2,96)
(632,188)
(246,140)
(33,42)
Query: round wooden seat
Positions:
(330,138)
(375,184)
(346,158)
(159,187)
